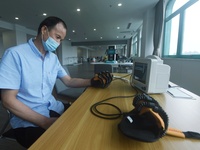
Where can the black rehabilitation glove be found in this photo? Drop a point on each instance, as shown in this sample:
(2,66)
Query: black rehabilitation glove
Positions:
(147,122)
(102,79)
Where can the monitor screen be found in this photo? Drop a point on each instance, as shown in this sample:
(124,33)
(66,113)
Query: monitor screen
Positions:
(150,75)
(111,51)
(140,72)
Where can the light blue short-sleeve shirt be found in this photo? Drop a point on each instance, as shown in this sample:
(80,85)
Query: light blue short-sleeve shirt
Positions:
(24,68)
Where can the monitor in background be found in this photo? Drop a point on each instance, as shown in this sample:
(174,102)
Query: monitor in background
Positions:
(112,55)
(150,74)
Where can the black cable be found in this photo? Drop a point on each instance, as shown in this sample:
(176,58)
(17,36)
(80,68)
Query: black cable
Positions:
(106,116)
(96,112)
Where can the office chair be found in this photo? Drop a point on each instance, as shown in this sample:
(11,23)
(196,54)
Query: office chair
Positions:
(5,130)
(63,92)
(103,67)
(4,124)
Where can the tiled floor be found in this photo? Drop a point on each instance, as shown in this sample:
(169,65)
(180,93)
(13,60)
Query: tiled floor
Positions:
(84,70)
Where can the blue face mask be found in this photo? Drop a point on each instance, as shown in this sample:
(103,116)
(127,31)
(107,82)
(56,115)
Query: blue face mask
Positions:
(50,44)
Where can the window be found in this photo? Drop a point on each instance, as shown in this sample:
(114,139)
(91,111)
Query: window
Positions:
(136,43)
(182,29)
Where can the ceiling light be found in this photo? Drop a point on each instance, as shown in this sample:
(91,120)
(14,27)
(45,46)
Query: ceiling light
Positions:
(95,29)
(16,18)
(85,38)
(117,36)
(101,37)
(44,14)
(120,4)
(118,27)
(73,30)
(78,9)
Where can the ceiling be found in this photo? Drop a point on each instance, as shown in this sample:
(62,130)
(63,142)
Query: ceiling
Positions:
(103,15)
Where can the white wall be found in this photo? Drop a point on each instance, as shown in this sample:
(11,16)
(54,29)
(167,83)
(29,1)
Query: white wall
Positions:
(69,53)
(96,53)
(13,35)
(185,73)
(82,53)
(21,34)
(9,39)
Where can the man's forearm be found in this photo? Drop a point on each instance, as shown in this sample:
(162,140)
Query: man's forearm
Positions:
(78,82)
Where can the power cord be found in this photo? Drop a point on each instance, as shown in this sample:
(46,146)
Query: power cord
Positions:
(95,111)
(123,78)
(130,80)
(94,108)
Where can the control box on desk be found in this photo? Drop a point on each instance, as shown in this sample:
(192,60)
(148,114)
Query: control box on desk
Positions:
(150,74)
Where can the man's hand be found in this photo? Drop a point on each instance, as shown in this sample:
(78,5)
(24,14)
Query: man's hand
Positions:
(48,122)
(102,79)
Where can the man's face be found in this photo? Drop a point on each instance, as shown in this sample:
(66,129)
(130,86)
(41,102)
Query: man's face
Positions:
(58,33)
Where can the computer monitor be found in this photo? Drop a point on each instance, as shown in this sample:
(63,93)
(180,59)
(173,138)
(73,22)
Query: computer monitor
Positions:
(150,74)
(112,55)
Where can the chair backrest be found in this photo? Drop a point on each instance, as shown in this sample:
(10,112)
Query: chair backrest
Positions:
(103,67)
(59,85)
(0,94)
(62,89)
(5,118)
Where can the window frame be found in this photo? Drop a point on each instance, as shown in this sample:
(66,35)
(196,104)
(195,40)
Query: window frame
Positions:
(166,38)
(136,43)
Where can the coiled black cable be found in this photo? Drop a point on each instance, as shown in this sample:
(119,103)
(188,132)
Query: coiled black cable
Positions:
(95,111)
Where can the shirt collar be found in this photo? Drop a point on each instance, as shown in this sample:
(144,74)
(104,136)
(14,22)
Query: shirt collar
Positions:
(35,49)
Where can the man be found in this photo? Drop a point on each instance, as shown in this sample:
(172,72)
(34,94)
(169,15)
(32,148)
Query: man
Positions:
(28,73)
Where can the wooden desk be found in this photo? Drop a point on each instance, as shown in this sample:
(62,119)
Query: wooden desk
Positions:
(78,129)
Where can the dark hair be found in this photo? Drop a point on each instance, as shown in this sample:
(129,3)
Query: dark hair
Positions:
(51,22)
